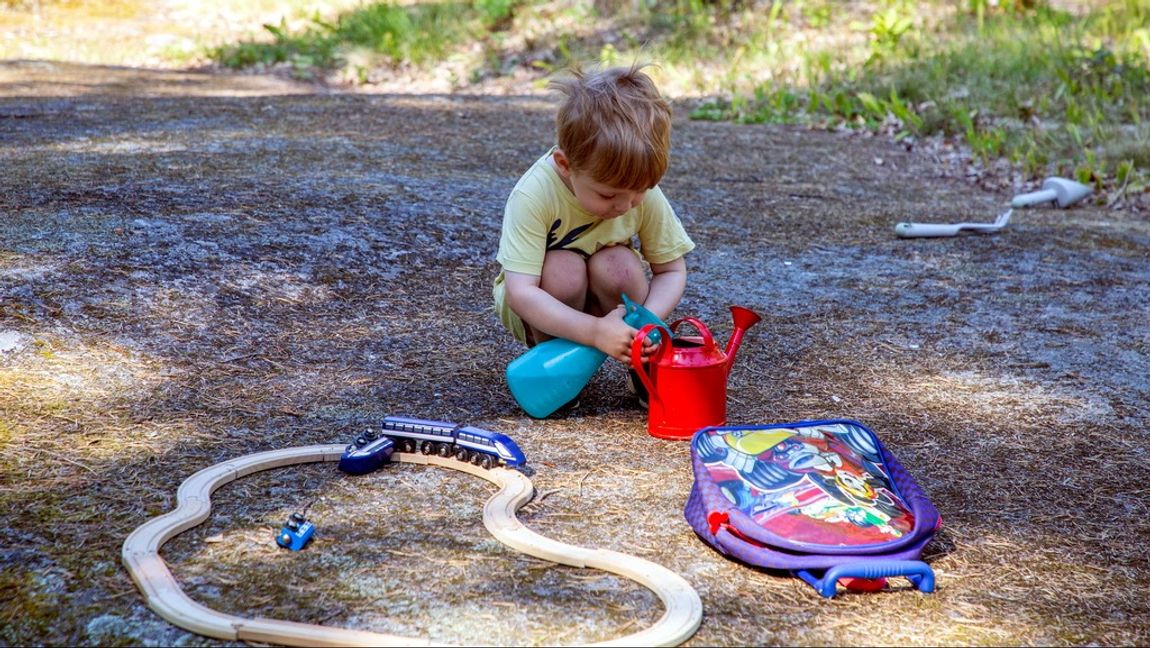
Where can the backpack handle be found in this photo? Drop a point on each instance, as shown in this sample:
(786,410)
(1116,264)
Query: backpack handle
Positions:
(917,572)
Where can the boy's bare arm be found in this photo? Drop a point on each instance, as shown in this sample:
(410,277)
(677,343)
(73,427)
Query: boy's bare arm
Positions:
(610,334)
(668,281)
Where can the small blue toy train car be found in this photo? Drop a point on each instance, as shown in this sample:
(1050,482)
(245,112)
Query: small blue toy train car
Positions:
(466,443)
(296,532)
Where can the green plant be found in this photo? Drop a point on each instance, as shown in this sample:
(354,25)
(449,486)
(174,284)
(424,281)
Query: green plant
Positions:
(493,13)
(414,33)
(888,28)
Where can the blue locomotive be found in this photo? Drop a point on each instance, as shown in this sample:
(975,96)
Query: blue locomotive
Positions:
(486,448)
(366,453)
(466,443)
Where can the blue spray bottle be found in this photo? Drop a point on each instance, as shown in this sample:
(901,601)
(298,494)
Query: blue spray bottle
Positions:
(552,373)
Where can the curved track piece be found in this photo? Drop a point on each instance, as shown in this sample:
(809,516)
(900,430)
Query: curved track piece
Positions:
(140,554)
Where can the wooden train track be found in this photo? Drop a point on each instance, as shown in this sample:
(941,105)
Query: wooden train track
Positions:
(140,554)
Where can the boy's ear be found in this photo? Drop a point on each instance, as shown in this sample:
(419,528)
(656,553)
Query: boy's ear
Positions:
(561,162)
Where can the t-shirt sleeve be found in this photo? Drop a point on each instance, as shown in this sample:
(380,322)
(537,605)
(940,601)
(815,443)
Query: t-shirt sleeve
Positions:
(523,243)
(661,234)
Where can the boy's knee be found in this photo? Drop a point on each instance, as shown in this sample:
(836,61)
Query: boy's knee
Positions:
(616,268)
(565,277)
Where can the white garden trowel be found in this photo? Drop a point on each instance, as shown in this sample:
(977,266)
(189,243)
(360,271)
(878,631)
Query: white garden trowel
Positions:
(924,230)
(1061,191)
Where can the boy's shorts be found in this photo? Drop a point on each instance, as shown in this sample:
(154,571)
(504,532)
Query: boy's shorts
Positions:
(510,320)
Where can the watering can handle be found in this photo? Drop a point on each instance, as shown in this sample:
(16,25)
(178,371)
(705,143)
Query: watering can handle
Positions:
(708,340)
(637,355)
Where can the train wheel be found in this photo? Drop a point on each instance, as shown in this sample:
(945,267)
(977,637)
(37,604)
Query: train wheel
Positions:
(443,450)
(407,445)
(486,462)
(477,457)
(426,447)
(461,454)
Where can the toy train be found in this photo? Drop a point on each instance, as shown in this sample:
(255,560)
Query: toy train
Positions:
(368,452)
(481,447)
(296,532)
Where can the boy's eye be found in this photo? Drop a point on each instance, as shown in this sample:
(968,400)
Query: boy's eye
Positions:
(606,197)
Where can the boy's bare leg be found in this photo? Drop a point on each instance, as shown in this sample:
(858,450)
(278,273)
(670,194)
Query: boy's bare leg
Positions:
(612,272)
(564,278)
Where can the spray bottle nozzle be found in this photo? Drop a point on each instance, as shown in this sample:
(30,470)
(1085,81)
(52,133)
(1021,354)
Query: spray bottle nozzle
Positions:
(638,316)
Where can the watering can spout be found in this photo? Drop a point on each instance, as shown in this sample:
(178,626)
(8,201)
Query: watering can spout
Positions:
(744,318)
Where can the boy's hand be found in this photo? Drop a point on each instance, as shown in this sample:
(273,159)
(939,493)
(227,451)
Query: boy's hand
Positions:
(614,337)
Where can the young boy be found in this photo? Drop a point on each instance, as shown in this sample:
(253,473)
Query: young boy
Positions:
(566,249)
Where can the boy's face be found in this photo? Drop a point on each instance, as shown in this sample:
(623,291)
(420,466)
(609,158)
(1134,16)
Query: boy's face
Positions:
(603,201)
(600,200)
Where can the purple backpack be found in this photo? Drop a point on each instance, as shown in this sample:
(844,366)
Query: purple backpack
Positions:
(822,499)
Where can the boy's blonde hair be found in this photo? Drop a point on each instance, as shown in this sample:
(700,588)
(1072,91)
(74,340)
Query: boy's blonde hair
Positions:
(615,126)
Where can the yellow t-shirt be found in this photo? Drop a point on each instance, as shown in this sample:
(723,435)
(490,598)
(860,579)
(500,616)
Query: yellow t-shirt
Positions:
(542,215)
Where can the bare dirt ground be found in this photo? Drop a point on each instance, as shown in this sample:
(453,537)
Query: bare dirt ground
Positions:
(197,267)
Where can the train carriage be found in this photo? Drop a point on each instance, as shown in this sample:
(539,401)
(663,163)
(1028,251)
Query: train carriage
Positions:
(429,437)
(466,443)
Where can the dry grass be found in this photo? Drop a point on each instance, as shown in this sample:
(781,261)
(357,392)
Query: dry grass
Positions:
(190,279)
(144,33)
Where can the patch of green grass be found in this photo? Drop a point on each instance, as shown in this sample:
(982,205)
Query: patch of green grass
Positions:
(1051,92)
(414,33)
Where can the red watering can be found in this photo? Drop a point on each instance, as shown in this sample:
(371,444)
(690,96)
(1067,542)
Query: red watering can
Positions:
(686,379)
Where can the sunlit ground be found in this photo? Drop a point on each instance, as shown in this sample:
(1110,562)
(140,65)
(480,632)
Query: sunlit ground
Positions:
(146,33)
